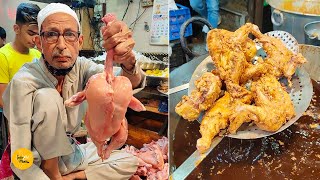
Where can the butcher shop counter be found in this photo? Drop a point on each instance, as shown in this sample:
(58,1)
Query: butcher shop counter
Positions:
(291,154)
(151,124)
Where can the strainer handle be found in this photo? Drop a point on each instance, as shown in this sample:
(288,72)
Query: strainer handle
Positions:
(278,14)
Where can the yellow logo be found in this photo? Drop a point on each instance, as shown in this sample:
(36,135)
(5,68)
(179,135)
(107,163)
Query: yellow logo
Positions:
(22,158)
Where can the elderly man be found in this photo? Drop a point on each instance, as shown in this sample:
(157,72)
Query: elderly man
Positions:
(33,101)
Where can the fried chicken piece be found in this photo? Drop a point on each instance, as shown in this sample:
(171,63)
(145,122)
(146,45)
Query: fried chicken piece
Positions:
(254,71)
(273,106)
(239,92)
(208,88)
(230,51)
(241,34)
(232,56)
(226,52)
(188,107)
(283,61)
(216,39)
(215,119)
(249,48)
(238,118)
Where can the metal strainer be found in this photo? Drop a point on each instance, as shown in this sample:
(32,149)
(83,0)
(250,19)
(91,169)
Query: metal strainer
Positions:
(300,92)
(289,41)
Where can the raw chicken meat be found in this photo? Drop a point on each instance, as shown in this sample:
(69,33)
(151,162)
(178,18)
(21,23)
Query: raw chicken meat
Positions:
(163,174)
(153,160)
(108,98)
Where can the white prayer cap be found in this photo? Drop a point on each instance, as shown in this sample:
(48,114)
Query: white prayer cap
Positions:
(53,8)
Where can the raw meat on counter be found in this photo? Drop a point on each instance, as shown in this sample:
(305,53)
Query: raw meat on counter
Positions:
(108,98)
(153,160)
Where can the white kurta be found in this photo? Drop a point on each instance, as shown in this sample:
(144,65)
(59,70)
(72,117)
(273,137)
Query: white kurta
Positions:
(39,121)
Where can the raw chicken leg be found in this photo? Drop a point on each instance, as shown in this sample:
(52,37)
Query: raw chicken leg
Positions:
(108,98)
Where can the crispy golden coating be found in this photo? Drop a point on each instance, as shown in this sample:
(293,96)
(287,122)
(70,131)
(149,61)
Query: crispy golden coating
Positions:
(226,54)
(280,61)
(231,53)
(215,119)
(208,88)
(188,108)
(252,91)
(249,48)
(273,106)
(239,117)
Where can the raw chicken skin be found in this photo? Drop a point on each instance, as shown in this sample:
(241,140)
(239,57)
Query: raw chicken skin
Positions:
(153,160)
(108,98)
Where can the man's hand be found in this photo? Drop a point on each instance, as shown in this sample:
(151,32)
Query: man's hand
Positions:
(117,35)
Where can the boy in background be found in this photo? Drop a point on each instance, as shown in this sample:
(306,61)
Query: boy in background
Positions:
(15,54)
(3,36)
